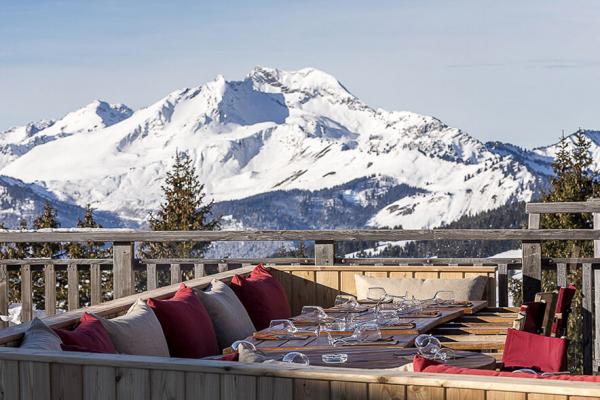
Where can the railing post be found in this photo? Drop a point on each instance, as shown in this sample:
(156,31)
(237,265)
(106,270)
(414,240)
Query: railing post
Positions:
(123,261)
(324,252)
(502,285)
(596,289)
(532,263)
(3,293)
(587,283)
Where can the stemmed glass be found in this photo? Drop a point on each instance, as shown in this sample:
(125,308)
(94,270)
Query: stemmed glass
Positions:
(430,347)
(290,330)
(345,301)
(296,357)
(368,331)
(317,312)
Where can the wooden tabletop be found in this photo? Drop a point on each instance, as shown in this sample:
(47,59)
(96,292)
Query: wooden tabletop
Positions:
(376,358)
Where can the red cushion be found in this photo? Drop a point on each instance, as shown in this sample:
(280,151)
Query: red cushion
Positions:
(186,324)
(563,306)
(263,297)
(534,316)
(528,350)
(89,336)
(447,369)
(420,363)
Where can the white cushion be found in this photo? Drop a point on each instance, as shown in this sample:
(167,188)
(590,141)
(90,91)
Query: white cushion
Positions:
(138,332)
(40,337)
(229,317)
(464,289)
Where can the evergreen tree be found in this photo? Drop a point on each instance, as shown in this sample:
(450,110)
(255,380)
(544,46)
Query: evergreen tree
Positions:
(184,209)
(48,219)
(89,249)
(573,181)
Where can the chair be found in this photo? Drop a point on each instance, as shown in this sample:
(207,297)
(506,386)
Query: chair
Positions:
(545,352)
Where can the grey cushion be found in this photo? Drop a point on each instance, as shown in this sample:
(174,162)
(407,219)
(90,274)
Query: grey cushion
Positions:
(229,317)
(40,337)
(464,289)
(138,332)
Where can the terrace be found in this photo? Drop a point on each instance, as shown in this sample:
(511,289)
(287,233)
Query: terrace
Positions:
(38,374)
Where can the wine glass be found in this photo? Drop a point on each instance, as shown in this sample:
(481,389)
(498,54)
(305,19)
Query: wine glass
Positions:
(377,294)
(427,345)
(244,344)
(315,311)
(444,355)
(283,325)
(443,296)
(296,357)
(368,331)
(387,317)
(345,301)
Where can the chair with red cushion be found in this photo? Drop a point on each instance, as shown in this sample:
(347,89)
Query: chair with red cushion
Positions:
(563,309)
(263,297)
(529,350)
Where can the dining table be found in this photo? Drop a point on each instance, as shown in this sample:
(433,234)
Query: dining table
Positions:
(393,349)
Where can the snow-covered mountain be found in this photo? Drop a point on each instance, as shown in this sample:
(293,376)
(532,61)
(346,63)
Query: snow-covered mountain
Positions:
(16,142)
(295,145)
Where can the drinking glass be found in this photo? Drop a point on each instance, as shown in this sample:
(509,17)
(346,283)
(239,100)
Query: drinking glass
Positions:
(337,358)
(377,294)
(387,317)
(427,345)
(345,301)
(444,355)
(244,344)
(443,296)
(296,357)
(284,325)
(367,332)
(316,311)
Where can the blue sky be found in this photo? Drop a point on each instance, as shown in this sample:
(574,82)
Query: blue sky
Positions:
(501,70)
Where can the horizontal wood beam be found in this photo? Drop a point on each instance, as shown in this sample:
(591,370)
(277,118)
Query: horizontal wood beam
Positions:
(563,207)
(290,235)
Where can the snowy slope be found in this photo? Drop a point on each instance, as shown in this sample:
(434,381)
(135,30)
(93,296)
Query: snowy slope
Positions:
(19,200)
(17,141)
(278,131)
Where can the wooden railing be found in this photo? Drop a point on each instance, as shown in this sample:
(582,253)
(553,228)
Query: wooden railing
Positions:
(129,271)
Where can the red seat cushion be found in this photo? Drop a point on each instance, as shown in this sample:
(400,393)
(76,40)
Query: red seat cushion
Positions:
(528,350)
(89,336)
(263,297)
(447,369)
(186,324)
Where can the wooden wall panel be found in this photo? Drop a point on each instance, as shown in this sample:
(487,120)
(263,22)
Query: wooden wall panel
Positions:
(202,386)
(34,380)
(424,393)
(238,387)
(309,389)
(167,385)
(381,391)
(66,381)
(9,380)
(497,395)
(347,282)
(348,390)
(99,383)
(303,290)
(275,388)
(464,394)
(537,396)
(328,285)
(133,384)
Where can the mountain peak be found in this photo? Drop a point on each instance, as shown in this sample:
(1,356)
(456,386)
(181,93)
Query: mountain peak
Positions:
(307,80)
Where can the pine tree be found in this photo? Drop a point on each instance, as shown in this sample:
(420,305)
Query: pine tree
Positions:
(48,219)
(184,209)
(89,249)
(573,181)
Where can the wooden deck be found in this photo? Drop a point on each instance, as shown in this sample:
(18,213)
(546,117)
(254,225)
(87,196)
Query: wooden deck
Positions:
(39,375)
